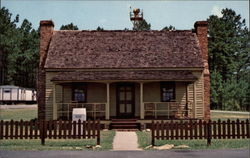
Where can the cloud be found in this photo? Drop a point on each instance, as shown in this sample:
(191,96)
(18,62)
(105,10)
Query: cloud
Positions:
(216,10)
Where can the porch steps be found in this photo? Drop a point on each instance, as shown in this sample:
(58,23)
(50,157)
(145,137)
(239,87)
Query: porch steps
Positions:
(124,124)
(126,130)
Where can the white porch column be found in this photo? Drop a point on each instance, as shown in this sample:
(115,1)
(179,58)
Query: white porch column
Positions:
(54,103)
(141,102)
(107,109)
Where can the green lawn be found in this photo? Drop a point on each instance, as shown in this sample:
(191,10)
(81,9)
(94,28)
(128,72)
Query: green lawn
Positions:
(232,116)
(18,114)
(144,140)
(59,144)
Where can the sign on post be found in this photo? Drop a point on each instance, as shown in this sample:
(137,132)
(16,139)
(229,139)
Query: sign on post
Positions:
(79,113)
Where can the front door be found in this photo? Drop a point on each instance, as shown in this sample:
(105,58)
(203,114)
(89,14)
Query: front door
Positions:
(125,100)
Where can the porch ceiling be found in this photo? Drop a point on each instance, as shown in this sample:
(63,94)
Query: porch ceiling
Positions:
(184,75)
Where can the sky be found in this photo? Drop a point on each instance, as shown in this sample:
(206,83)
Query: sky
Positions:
(114,15)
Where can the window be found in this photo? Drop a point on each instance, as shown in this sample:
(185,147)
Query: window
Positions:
(79,93)
(167,91)
(7,91)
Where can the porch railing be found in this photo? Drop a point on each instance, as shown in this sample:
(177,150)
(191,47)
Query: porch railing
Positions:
(167,109)
(93,110)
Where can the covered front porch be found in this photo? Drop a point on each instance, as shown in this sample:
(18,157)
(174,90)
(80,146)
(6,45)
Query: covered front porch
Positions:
(125,100)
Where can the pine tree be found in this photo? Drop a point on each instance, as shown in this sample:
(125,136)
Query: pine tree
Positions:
(99,28)
(70,26)
(19,51)
(7,42)
(169,28)
(143,26)
(229,60)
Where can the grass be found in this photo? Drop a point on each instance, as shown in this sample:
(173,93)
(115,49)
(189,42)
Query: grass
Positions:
(144,140)
(231,116)
(59,144)
(18,114)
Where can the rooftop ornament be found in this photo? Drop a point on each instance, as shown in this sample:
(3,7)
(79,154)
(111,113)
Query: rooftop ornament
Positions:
(136,16)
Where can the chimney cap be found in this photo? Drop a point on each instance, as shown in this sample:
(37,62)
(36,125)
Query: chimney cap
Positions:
(46,23)
(200,23)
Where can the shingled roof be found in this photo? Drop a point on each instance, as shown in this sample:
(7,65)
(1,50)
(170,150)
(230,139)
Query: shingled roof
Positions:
(124,49)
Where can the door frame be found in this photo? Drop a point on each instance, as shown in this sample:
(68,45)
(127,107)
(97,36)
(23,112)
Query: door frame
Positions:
(118,114)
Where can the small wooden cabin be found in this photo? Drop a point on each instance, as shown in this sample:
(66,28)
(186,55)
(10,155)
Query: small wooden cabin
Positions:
(139,75)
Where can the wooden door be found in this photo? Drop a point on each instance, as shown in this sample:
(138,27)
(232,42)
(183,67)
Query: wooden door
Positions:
(125,100)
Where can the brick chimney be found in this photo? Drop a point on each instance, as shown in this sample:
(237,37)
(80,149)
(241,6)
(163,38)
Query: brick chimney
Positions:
(201,29)
(46,32)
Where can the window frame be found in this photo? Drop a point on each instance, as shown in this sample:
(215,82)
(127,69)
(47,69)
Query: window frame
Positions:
(170,84)
(81,86)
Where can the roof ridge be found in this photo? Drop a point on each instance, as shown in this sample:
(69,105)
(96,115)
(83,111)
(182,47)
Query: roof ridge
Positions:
(122,31)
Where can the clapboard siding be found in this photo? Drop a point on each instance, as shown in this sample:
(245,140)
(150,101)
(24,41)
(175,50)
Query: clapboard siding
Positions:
(180,93)
(49,96)
(137,100)
(151,92)
(191,98)
(112,99)
(96,92)
(59,97)
(67,93)
(199,95)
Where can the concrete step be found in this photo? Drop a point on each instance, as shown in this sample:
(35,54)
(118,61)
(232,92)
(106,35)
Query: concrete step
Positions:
(125,124)
(123,120)
(127,130)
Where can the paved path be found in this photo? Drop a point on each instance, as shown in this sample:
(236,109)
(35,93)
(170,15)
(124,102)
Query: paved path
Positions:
(225,153)
(125,141)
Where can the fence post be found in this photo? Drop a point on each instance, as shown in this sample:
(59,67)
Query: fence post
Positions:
(98,132)
(153,133)
(42,132)
(1,129)
(248,129)
(209,133)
